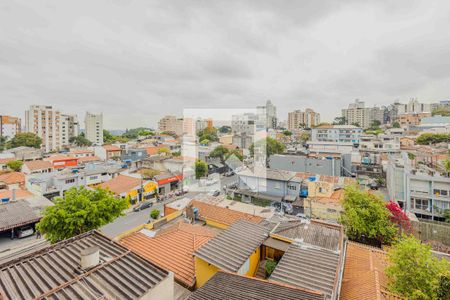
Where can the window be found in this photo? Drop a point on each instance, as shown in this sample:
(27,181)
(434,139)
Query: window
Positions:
(70,180)
(422,204)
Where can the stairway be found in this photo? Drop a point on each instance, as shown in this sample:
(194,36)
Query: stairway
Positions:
(261,272)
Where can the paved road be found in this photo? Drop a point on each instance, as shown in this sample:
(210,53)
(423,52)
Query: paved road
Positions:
(133,219)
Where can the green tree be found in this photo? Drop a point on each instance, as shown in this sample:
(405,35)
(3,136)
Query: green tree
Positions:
(270,267)
(356,124)
(149,173)
(365,216)
(176,154)
(154,214)
(236,153)
(201,169)
(209,133)
(219,152)
(79,211)
(396,125)
(433,138)
(340,121)
(305,136)
(225,129)
(287,133)
(272,147)
(413,271)
(2,143)
(80,141)
(447,215)
(15,165)
(164,150)
(108,138)
(26,139)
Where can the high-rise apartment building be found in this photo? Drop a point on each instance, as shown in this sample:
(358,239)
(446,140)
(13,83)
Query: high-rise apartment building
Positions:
(413,106)
(94,128)
(9,126)
(269,113)
(45,122)
(358,114)
(69,128)
(174,125)
(299,119)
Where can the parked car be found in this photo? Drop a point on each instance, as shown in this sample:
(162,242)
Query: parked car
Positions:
(216,193)
(142,206)
(25,231)
(287,208)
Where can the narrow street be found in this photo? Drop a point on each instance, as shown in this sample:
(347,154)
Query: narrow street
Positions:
(133,219)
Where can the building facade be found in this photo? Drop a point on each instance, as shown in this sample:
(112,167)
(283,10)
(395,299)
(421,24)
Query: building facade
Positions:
(268,113)
(298,119)
(413,106)
(336,133)
(69,128)
(172,124)
(45,122)
(94,128)
(9,126)
(358,113)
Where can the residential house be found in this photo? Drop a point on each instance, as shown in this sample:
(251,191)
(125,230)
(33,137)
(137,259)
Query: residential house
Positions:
(108,152)
(54,184)
(336,134)
(220,217)
(331,166)
(25,153)
(235,250)
(224,285)
(167,182)
(271,185)
(87,266)
(172,249)
(4,162)
(128,186)
(364,267)
(12,180)
(419,188)
(37,166)
(60,162)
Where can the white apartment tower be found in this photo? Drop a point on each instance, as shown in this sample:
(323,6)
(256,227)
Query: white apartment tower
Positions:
(94,128)
(298,119)
(45,122)
(269,112)
(69,128)
(358,113)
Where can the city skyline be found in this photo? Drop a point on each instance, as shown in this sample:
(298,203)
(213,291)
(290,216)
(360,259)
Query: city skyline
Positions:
(150,59)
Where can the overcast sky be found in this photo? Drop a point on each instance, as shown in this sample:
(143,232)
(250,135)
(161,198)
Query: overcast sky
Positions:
(136,61)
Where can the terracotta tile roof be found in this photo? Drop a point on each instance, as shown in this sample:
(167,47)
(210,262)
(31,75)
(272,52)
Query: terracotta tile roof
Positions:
(111,148)
(222,215)
(153,150)
(88,159)
(336,197)
(173,249)
(121,184)
(20,194)
(60,157)
(12,177)
(34,165)
(364,276)
(81,151)
(6,160)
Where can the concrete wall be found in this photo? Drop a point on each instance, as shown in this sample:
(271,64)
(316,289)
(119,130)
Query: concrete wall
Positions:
(162,291)
(268,186)
(298,163)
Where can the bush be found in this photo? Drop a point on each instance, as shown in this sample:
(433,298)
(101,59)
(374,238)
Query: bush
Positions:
(154,214)
(269,267)
(15,165)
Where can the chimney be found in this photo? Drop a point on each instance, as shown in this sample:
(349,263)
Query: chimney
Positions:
(90,257)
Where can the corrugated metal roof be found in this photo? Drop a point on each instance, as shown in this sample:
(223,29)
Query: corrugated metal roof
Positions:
(14,214)
(309,267)
(226,286)
(54,272)
(231,248)
(313,232)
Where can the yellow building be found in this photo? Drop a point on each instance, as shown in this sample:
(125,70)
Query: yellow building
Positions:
(242,256)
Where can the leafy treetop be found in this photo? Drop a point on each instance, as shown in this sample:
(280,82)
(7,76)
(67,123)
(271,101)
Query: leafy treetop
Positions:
(79,211)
